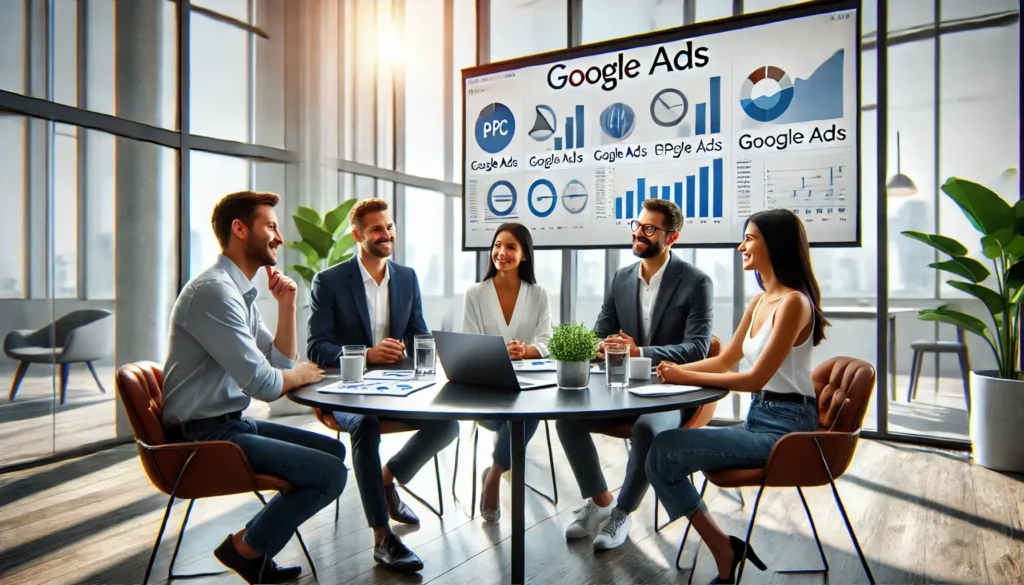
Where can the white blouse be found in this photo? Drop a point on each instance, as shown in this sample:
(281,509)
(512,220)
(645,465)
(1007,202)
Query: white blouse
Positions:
(531,317)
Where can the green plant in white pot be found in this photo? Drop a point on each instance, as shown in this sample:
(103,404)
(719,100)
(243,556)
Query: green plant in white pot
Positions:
(997,397)
(572,346)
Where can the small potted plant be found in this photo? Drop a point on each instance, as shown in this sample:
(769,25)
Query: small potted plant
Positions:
(572,346)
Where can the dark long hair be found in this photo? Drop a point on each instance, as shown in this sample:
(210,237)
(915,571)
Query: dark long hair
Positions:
(521,233)
(790,255)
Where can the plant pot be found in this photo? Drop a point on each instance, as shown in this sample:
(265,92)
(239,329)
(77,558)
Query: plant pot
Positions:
(573,375)
(997,409)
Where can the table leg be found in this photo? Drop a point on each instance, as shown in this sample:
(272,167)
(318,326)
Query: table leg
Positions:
(892,356)
(518,435)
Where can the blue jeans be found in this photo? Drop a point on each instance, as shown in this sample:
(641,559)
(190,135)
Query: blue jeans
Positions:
(678,453)
(503,440)
(364,433)
(312,463)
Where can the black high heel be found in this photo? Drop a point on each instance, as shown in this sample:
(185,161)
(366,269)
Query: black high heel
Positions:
(737,557)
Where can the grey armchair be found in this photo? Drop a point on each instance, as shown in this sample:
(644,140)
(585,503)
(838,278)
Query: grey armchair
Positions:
(82,336)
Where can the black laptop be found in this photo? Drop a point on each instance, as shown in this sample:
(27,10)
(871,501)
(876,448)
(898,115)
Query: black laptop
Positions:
(483,360)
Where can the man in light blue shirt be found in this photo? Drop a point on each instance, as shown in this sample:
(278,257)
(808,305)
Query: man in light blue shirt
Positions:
(221,356)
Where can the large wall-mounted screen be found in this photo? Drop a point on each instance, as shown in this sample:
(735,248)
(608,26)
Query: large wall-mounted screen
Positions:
(723,119)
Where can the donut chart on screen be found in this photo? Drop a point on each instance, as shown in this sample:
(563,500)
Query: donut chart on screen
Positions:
(768,107)
(720,120)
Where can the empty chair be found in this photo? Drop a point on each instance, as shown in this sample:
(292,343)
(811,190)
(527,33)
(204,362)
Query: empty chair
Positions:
(958,347)
(82,336)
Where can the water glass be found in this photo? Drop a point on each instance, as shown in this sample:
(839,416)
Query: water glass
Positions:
(353,362)
(616,364)
(424,355)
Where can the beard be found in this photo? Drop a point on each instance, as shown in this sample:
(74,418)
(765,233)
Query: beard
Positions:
(376,248)
(654,248)
(261,252)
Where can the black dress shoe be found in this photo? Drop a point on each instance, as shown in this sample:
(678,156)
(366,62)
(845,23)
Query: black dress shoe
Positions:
(738,547)
(255,570)
(397,509)
(396,556)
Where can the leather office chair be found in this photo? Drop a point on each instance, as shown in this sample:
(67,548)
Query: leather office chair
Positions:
(187,471)
(699,419)
(843,386)
(387,427)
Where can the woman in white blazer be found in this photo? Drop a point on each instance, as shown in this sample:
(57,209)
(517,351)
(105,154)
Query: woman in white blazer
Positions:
(510,303)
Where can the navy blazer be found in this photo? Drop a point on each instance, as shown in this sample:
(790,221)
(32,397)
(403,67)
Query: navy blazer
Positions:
(681,317)
(340,315)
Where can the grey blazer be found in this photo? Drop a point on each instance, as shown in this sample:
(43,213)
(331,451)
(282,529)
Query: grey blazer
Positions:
(680,319)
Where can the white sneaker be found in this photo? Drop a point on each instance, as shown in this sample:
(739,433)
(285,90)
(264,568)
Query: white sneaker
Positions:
(613,531)
(587,520)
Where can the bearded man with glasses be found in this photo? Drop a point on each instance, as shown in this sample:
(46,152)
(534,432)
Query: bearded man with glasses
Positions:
(662,307)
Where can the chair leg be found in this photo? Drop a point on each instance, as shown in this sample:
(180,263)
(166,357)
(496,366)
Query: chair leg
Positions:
(915,374)
(302,543)
(746,542)
(965,374)
(177,545)
(19,375)
(846,519)
(159,535)
(551,461)
(65,372)
(455,472)
(95,377)
(817,541)
(337,501)
(686,533)
(439,511)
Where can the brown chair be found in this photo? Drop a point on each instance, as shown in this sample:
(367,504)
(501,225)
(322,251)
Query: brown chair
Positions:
(701,418)
(187,471)
(843,386)
(387,427)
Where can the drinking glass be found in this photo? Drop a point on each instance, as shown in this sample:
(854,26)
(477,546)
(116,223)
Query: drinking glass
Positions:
(616,364)
(353,362)
(424,355)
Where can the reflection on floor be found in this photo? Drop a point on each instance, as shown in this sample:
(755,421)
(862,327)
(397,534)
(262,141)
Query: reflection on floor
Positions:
(34,425)
(923,516)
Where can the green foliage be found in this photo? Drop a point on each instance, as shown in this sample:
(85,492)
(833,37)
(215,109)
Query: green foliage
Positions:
(573,342)
(325,241)
(1002,241)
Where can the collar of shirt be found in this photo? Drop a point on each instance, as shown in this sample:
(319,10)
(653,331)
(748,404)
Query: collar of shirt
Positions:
(245,286)
(655,278)
(368,278)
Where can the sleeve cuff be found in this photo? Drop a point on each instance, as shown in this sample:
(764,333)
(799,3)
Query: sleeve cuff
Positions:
(279,360)
(641,350)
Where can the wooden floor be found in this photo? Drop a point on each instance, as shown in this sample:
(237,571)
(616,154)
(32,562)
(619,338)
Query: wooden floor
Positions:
(923,516)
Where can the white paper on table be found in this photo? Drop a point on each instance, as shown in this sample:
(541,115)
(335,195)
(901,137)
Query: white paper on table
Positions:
(392,375)
(375,388)
(534,365)
(663,389)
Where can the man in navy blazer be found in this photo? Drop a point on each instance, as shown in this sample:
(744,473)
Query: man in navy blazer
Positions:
(372,301)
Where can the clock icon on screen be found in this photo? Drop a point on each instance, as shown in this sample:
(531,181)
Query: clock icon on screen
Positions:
(669,107)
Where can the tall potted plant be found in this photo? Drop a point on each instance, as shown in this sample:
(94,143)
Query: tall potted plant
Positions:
(997,397)
(325,241)
(572,346)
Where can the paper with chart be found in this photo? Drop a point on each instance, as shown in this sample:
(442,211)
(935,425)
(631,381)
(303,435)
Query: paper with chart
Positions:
(723,125)
(376,388)
(534,365)
(390,375)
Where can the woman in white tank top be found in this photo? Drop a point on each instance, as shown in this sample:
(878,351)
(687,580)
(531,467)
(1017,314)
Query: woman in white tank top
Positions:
(776,337)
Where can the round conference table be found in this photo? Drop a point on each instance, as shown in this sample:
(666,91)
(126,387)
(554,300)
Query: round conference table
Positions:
(457,401)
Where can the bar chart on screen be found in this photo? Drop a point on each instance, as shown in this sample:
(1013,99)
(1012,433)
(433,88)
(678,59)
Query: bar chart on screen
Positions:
(698,191)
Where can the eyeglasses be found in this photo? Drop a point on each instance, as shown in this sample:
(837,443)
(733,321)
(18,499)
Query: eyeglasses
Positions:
(648,229)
